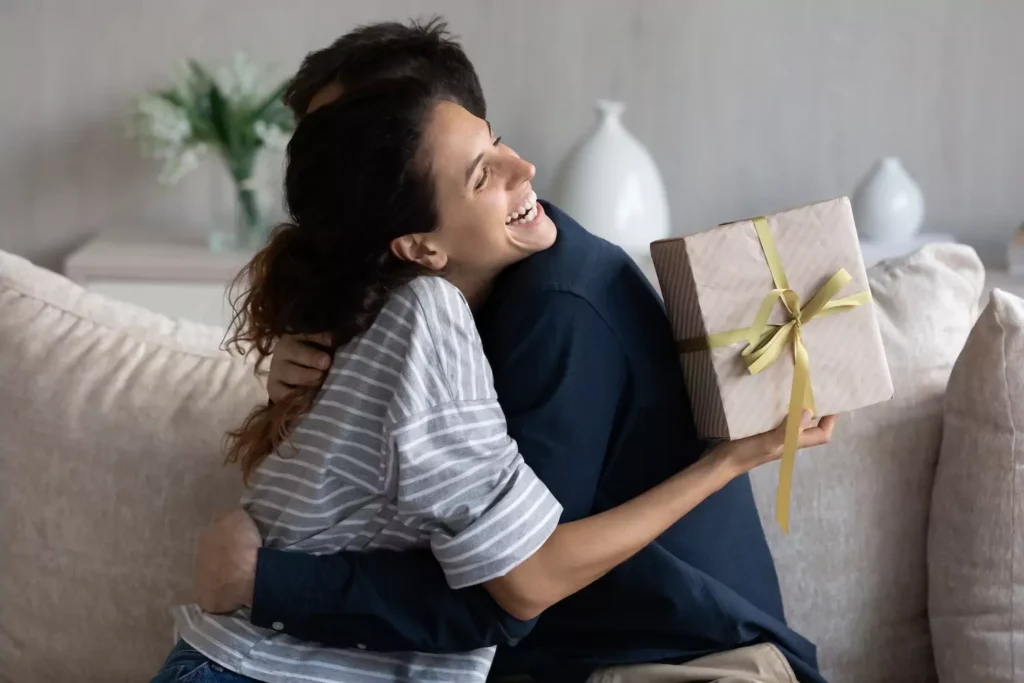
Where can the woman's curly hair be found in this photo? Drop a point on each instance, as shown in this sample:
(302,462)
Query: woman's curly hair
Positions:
(357,178)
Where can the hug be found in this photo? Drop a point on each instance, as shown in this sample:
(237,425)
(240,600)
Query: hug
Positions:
(479,460)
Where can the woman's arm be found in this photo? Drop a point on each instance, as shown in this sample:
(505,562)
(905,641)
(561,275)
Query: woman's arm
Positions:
(578,553)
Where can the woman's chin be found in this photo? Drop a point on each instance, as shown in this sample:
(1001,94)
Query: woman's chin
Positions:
(536,235)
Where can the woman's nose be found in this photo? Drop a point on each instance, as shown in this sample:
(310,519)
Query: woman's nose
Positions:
(521,171)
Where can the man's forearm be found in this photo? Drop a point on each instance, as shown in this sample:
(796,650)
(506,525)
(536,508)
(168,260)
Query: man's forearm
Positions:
(380,600)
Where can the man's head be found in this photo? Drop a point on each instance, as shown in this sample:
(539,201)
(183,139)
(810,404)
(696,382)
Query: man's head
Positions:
(479,211)
(377,52)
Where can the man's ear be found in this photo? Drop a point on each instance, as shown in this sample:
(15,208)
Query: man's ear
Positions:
(419,248)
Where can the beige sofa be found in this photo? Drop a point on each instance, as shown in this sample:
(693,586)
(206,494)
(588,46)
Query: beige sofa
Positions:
(112,418)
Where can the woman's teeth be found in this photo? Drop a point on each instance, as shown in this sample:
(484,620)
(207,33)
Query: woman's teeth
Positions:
(528,218)
(525,213)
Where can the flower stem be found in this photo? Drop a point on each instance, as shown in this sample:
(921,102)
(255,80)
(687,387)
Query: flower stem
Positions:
(247,200)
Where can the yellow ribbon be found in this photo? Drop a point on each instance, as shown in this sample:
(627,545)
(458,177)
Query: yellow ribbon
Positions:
(766,343)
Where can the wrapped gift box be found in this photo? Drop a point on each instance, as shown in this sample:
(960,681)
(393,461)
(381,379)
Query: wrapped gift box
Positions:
(715,283)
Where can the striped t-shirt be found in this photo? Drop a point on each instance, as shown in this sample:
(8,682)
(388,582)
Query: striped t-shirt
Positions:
(405,447)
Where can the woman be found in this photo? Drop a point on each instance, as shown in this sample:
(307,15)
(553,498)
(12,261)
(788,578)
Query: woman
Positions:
(404,210)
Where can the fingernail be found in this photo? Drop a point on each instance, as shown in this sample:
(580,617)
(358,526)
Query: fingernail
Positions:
(324,363)
(806,417)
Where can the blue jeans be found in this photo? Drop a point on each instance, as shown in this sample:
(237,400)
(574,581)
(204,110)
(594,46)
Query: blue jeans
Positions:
(185,664)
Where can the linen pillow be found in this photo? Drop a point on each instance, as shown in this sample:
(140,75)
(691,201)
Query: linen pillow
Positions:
(976,540)
(853,569)
(112,420)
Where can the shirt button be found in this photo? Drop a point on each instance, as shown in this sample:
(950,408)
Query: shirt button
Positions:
(360,646)
(277,626)
(217,668)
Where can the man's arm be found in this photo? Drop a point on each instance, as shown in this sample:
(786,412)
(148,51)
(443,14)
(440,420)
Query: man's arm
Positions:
(382,600)
(559,378)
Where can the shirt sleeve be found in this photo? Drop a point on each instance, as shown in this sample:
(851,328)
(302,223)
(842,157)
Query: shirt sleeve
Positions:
(382,600)
(461,473)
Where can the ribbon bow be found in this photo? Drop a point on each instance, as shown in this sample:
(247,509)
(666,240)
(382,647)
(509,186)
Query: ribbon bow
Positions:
(767,342)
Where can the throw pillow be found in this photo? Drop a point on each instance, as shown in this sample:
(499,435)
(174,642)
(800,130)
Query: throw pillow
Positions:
(112,420)
(976,542)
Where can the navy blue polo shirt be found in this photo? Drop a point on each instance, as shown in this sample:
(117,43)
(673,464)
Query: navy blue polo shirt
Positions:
(586,370)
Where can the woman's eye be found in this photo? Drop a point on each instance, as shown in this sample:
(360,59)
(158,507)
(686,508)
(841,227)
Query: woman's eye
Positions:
(497,141)
(483,179)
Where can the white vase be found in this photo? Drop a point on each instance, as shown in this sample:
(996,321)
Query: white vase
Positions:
(888,205)
(610,184)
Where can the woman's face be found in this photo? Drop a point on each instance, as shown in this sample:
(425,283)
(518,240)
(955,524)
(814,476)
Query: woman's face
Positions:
(488,214)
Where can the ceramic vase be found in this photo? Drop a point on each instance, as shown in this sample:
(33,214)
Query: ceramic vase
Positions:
(887,204)
(610,184)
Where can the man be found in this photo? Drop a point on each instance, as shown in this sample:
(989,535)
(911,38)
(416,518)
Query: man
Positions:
(587,374)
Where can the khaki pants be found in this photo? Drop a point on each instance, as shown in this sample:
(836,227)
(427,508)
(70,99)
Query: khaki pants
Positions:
(754,664)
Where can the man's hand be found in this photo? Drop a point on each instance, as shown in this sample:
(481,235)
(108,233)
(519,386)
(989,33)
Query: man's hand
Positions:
(226,563)
(746,454)
(296,363)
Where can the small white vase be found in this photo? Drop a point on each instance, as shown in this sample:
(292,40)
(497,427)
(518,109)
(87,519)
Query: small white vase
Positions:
(610,184)
(888,205)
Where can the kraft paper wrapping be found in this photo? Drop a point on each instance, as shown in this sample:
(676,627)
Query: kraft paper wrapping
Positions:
(717,281)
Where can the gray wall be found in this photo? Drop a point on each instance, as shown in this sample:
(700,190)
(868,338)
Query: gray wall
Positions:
(746,105)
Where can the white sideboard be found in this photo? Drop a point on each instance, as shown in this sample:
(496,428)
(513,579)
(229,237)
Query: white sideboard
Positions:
(180,279)
(183,279)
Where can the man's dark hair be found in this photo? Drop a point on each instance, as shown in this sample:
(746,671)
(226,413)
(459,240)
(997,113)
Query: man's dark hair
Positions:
(376,52)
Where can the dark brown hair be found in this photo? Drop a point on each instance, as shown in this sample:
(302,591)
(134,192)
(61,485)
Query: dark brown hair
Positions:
(356,179)
(368,54)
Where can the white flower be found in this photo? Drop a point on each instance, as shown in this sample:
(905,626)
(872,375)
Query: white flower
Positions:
(163,122)
(165,134)
(158,123)
(242,79)
(179,163)
(272,137)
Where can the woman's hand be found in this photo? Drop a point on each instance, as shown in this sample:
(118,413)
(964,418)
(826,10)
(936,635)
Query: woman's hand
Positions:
(297,363)
(753,451)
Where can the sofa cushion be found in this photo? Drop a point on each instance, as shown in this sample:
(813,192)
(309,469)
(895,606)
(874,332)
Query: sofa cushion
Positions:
(110,463)
(853,569)
(976,542)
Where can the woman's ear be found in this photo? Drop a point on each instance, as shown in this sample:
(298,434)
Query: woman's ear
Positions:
(419,248)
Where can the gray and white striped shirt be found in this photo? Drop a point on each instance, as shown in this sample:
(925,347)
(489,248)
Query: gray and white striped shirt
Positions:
(405,447)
